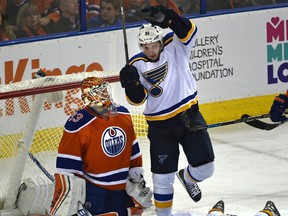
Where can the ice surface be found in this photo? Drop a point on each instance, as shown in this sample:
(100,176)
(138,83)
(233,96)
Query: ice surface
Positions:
(251,168)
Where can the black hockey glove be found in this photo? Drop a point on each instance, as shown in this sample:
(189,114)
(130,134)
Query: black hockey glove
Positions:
(278,108)
(129,76)
(159,15)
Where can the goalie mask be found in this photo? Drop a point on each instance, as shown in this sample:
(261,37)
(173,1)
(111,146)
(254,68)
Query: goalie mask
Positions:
(96,92)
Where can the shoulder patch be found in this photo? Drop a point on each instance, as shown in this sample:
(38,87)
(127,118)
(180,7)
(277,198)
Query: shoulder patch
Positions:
(78,120)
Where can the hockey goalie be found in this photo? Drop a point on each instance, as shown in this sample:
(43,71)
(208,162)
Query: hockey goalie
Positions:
(99,162)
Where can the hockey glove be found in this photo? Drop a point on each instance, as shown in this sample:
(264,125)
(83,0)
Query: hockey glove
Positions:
(159,15)
(278,108)
(136,188)
(129,76)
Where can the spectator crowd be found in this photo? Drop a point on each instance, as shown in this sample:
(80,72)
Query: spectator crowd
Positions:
(28,18)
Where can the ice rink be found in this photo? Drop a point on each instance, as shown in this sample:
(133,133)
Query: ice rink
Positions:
(251,168)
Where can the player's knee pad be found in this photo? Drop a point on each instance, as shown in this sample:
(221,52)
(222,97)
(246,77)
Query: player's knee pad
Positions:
(163,183)
(202,172)
(35,195)
(69,190)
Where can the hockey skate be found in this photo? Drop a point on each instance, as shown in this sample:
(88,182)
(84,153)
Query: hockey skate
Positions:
(192,189)
(270,208)
(219,206)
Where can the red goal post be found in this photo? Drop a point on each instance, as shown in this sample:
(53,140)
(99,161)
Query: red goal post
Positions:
(28,119)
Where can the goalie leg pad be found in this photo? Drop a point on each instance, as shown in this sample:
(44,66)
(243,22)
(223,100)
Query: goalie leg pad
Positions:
(69,190)
(35,195)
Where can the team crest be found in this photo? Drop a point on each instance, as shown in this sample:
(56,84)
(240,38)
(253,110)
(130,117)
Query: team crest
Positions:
(113,141)
(162,158)
(155,77)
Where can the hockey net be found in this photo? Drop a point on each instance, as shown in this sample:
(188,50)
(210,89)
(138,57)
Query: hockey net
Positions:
(30,123)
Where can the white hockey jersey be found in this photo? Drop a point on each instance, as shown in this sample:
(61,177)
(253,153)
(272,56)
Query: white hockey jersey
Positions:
(171,87)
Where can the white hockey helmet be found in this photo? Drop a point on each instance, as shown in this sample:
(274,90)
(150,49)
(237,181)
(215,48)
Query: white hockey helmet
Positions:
(149,33)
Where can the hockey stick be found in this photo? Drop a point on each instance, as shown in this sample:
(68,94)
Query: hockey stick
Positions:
(124,31)
(244,119)
(263,125)
(34,159)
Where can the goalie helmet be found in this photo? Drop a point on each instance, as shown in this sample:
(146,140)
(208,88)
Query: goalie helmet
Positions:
(96,91)
(149,33)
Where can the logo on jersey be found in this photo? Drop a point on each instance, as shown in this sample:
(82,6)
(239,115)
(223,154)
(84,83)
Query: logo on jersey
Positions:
(113,141)
(162,158)
(155,77)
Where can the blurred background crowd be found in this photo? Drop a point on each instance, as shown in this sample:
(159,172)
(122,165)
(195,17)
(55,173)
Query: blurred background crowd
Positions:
(28,18)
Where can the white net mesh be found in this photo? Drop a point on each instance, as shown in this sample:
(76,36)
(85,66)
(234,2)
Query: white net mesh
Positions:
(39,124)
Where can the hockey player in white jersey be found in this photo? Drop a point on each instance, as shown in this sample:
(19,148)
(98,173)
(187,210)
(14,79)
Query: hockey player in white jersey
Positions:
(160,75)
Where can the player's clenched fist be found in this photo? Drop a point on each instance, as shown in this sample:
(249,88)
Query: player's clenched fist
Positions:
(278,108)
(129,76)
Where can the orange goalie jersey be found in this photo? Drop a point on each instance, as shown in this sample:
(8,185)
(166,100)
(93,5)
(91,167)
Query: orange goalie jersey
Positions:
(99,150)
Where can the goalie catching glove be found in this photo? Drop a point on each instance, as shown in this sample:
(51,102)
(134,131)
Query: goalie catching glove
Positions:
(136,188)
(159,15)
